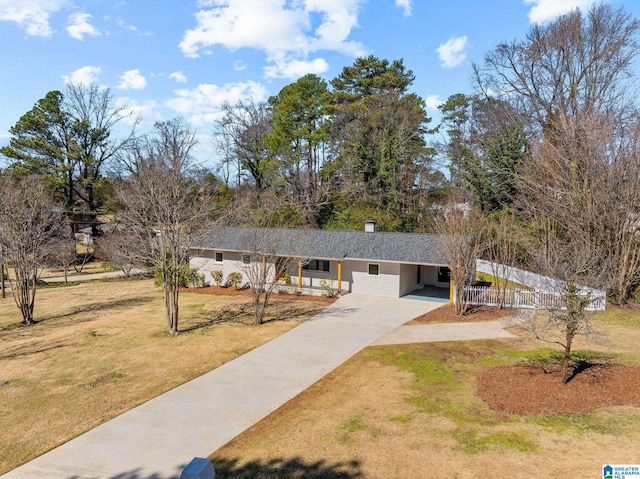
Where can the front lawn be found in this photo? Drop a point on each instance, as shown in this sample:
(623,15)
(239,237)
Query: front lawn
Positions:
(413,411)
(99,349)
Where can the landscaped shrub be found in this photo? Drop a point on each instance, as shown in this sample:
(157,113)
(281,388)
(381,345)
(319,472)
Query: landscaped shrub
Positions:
(326,285)
(189,278)
(218,277)
(234,279)
(195,279)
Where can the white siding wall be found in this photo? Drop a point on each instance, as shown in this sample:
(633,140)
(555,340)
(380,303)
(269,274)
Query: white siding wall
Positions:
(394,280)
(205,262)
(408,278)
(387,283)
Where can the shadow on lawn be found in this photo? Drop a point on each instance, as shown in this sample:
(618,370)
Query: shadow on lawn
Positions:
(280,468)
(244,314)
(96,307)
(294,468)
(31,349)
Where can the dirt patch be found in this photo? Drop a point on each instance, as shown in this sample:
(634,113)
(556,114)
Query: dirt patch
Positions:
(539,389)
(446,314)
(217,290)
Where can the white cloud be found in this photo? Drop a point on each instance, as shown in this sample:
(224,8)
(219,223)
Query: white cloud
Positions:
(202,103)
(179,77)
(83,75)
(405,5)
(280,29)
(121,24)
(144,113)
(239,65)
(452,52)
(31,15)
(432,102)
(78,26)
(132,80)
(295,68)
(545,10)
(205,149)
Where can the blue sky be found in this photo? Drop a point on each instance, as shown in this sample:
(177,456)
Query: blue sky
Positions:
(164,58)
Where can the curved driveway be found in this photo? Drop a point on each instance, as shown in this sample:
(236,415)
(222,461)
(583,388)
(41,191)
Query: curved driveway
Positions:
(157,439)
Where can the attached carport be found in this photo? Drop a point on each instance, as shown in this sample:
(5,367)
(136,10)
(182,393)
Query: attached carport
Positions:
(424,281)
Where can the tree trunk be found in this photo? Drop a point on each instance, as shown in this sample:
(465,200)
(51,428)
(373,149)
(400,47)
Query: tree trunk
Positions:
(171,306)
(258,307)
(564,371)
(2,269)
(24,297)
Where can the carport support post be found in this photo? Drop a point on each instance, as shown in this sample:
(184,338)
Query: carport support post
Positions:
(339,277)
(299,274)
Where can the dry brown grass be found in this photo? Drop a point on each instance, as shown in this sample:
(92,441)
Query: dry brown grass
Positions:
(411,411)
(98,349)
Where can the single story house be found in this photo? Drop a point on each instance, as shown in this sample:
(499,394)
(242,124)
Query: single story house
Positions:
(369,261)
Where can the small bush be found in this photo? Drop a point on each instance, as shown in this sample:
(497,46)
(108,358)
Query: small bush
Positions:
(289,290)
(189,278)
(287,278)
(326,285)
(195,279)
(218,277)
(234,279)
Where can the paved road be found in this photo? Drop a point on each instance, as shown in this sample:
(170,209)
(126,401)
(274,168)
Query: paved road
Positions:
(157,439)
(85,277)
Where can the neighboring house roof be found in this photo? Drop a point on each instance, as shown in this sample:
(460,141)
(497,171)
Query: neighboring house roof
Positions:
(328,244)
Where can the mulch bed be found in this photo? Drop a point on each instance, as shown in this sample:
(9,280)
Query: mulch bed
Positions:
(217,290)
(540,390)
(446,314)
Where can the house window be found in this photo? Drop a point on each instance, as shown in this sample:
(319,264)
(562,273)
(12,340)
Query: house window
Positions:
(444,274)
(246,259)
(317,265)
(218,257)
(374,269)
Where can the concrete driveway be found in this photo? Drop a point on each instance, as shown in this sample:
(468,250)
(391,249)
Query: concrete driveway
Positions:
(157,439)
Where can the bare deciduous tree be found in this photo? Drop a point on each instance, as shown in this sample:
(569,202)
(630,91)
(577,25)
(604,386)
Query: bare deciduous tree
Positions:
(165,208)
(463,239)
(123,249)
(95,116)
(263,263)
(572,81)
(61,253)
(570,264)
(29,220)
(575,205)
(240,136)
(503,248)
(579,63)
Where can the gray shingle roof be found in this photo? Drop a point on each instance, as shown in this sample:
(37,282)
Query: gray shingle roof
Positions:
(328,244)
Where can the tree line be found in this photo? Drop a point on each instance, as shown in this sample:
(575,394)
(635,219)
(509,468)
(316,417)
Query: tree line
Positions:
(542,152)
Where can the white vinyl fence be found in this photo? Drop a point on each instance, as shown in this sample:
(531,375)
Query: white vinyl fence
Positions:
(526,299)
